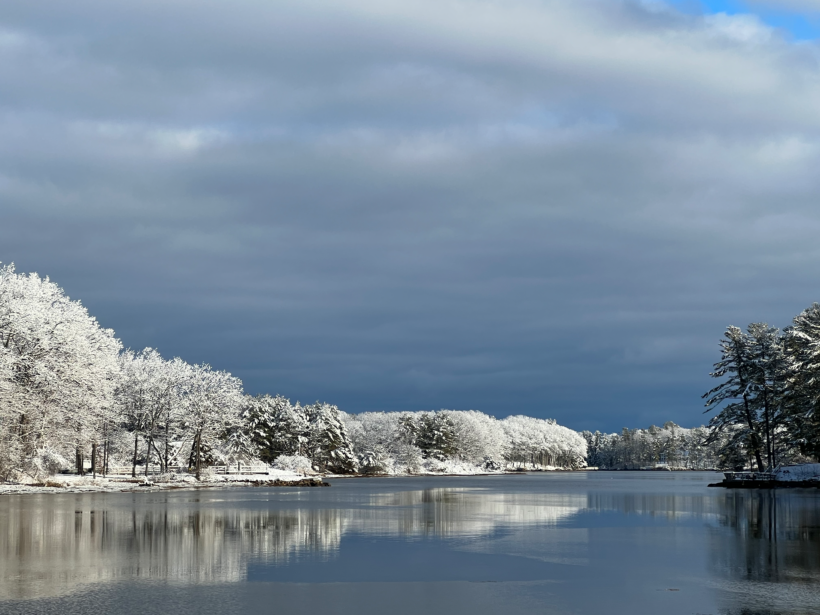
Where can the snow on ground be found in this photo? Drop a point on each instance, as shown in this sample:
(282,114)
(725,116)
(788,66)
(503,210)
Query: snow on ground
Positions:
(801,472)
(71,483)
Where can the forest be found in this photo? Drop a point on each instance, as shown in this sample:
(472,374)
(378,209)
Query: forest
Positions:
(73,398)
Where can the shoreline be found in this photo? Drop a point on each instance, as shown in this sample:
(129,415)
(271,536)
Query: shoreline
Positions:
(767,484)
(84,484)
(71,483)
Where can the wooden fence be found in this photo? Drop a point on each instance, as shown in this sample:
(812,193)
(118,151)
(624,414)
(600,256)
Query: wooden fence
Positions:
(234,468)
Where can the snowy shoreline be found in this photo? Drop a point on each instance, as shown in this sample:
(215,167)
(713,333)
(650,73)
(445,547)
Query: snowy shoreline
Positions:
(71,483)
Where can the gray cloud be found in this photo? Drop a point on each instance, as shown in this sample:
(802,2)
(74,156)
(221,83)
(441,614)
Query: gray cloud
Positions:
(523,207)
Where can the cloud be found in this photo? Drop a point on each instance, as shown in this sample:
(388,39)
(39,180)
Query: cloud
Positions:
(523,207)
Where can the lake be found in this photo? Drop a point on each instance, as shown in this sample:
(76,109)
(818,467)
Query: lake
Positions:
(575,542)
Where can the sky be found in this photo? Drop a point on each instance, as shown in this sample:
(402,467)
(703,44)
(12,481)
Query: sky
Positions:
(534,207)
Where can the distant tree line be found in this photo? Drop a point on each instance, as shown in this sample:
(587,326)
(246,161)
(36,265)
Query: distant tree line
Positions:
(670,446)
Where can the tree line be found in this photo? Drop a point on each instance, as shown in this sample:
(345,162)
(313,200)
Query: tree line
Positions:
(72,396)
(670,446)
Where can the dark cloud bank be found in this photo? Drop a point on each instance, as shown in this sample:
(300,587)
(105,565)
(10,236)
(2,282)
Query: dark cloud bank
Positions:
(547,208)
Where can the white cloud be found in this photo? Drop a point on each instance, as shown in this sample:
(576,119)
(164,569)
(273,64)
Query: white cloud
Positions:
(743,28)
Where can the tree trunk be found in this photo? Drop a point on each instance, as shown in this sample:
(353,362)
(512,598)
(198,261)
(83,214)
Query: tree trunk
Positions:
(134,463)
(755,436)
(768,431)
(198,454)
(754,432)
(167,447)
(94,459)
(105,449)
(148,454)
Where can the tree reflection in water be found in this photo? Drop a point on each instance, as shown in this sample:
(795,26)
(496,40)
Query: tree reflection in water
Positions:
(576,543)
(769,561)
(51,546)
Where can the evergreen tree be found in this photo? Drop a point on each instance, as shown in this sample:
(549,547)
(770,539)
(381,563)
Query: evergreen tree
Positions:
(329,443)
(436,436)
(738,371)
(768,376)
(803,384)
(276,427)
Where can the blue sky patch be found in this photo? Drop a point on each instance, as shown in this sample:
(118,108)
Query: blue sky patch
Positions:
(801,25)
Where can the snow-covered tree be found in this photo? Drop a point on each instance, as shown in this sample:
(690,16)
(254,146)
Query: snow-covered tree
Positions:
(58,372)
(736,391)
(384,442)
(669,446)
(436,435)
(803,383)
(399,442)
(771,367)
(329,444)
(275,426)
(543,443)
(480,440)
(211,402)
(150,401)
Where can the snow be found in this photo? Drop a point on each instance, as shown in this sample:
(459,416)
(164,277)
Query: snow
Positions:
(71,483)
(805,471)
(73,398)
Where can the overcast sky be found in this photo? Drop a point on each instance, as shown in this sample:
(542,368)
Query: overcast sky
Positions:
(536,207)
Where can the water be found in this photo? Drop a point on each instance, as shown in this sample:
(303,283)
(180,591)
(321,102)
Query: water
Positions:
(596,543)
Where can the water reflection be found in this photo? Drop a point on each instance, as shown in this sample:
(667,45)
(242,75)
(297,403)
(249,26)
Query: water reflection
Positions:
(52,550)
(769,560)
(578,545)
(48,547)
(458,512)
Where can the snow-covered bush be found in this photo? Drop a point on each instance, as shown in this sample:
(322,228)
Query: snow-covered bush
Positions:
(294,463)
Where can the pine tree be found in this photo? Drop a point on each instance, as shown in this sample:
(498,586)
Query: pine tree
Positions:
(803,384)
(737,368)
(329,445)
(436,436)
(276,427)
(768,376)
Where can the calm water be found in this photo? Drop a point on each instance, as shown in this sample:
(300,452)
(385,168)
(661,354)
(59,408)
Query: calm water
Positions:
(596,543)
